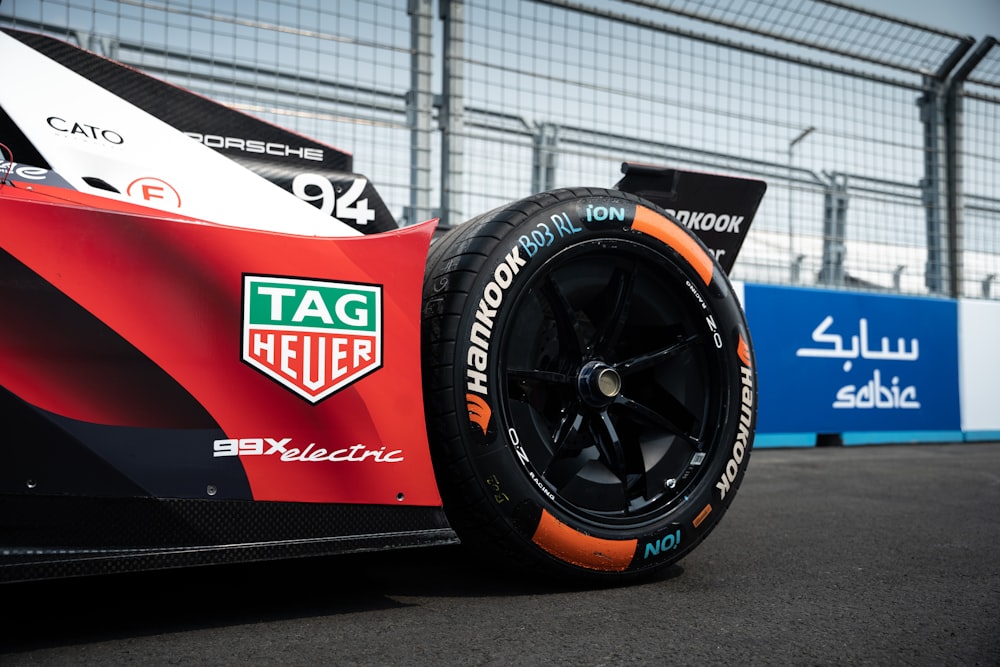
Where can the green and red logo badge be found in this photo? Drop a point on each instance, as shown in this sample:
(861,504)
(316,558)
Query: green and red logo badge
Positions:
(313,336)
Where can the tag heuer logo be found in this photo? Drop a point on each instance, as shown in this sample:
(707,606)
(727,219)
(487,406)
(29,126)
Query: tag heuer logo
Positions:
(313,336)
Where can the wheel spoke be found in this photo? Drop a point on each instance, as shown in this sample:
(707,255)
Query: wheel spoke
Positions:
(547,377)
(563,316)
(564,470)
(631,479)
(610,445)
(567,459)
(660,419)
(616,301)
(567,430)
(650,359)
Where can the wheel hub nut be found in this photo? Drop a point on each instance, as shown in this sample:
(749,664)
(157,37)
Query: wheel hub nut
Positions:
(599,384)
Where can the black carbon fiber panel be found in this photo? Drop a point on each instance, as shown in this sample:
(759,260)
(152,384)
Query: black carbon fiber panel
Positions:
(46,537)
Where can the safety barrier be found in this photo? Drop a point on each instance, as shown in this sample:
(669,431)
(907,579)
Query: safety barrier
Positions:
(861,368)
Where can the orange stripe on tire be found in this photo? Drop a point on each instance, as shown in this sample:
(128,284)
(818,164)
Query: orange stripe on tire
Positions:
(574,547)
(659,227)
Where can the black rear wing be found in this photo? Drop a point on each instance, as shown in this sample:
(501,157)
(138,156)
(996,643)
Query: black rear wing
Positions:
(718,209)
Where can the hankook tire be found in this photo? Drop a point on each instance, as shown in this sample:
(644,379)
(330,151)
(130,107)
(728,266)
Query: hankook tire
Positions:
(589,384)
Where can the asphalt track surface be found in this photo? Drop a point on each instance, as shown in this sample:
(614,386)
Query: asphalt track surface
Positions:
(884,555)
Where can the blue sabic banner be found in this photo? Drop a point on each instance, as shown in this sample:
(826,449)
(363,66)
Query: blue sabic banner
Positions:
(833,362)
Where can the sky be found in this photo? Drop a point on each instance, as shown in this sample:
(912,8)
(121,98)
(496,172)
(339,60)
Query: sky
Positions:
(967,17)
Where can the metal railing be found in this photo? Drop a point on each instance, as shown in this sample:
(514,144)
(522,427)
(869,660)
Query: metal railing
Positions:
(879,138)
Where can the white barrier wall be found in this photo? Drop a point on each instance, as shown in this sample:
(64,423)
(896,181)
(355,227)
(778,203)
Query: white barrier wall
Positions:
(979,368)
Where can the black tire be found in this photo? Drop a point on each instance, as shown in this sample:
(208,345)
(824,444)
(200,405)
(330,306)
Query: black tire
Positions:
(589,384)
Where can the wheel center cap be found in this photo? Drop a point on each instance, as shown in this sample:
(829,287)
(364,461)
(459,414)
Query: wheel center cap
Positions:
(599,384)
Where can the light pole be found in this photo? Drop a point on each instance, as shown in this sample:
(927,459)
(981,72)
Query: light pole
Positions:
(793,263)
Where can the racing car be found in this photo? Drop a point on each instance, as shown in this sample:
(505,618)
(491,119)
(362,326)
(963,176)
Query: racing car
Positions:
(217,345)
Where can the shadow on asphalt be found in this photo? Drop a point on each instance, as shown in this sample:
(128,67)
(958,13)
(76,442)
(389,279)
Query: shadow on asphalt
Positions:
(46,614)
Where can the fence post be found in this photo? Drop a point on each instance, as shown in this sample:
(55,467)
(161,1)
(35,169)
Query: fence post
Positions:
(953,118)
(420,109)
(931,184)
(451,112)
(544,157)
(834,231)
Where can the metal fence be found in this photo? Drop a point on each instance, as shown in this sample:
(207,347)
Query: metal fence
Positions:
(879,139)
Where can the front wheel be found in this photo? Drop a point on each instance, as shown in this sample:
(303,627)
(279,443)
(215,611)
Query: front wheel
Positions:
(589,384)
